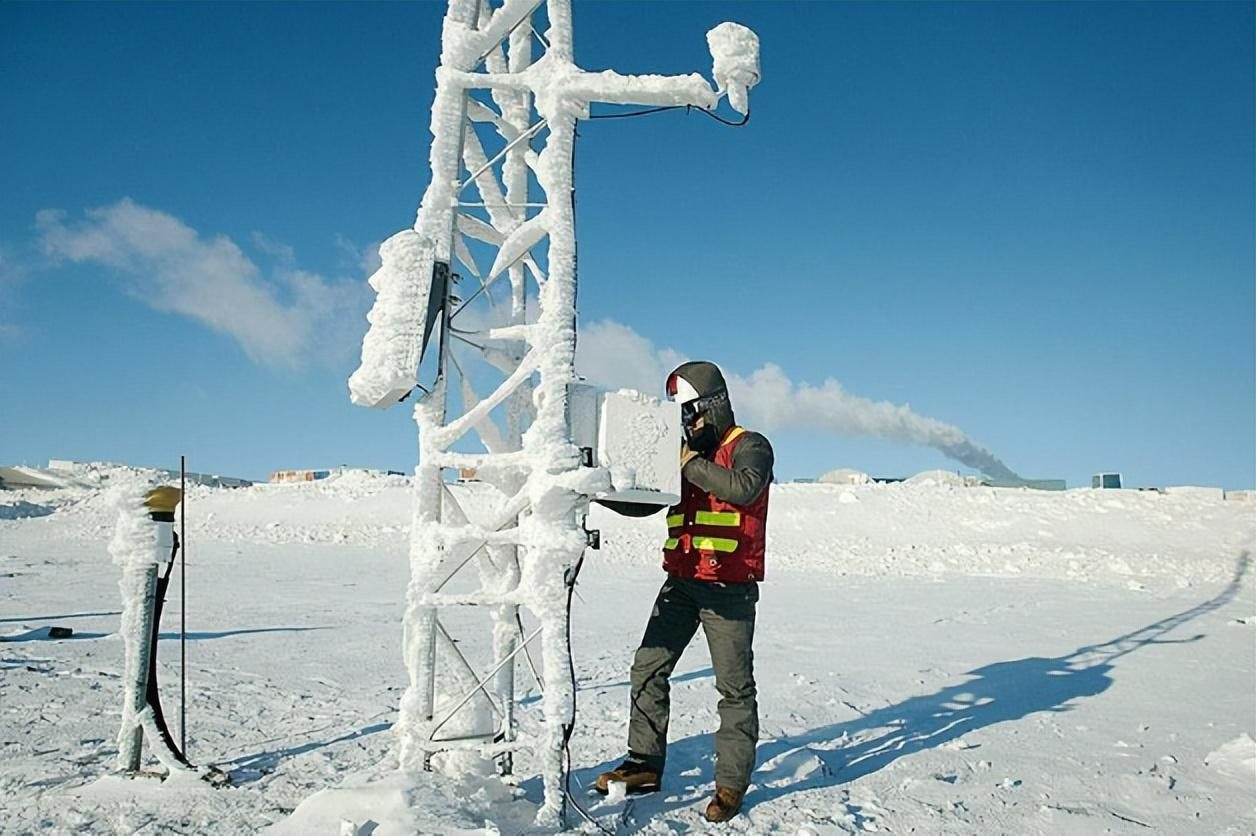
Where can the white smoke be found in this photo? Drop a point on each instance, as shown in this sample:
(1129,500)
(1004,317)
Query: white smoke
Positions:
(613,355)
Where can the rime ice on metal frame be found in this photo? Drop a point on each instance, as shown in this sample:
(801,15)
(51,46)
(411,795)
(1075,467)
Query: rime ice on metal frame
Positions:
(499,74)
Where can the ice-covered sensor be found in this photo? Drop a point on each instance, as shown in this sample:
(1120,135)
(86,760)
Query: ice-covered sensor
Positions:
(637,439)
(735,49)
(410,291)
(143,543)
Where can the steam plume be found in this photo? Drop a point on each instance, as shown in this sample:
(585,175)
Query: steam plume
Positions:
(613,355)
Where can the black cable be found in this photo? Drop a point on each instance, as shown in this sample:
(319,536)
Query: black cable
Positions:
(152,693)
(688,108)
(724,121)
(630,114)
(570,728)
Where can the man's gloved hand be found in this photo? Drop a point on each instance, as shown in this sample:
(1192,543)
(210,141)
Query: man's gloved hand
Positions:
(686,454)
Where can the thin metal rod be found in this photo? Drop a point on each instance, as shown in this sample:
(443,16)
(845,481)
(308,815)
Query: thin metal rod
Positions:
(462,738)
(449,577)
(483,205)
(539,36)
(467,666)
(460,338)
(526,259)
(527,655)
(483,288)
(183,606)
(467,697)
(523,137)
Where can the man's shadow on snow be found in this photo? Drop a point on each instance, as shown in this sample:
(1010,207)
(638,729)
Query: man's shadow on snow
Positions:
(835,754)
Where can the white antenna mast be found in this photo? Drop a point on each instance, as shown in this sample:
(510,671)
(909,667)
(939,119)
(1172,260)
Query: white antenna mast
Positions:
(503,126)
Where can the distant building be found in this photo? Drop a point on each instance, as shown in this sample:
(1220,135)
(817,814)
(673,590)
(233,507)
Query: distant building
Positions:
(1105,480)
(298,475)
(1035,484)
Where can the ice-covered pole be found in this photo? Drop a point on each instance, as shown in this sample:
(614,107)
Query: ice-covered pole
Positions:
(143,541)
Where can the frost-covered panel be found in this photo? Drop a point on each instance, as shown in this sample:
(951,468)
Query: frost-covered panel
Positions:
(393,345)
(639,442)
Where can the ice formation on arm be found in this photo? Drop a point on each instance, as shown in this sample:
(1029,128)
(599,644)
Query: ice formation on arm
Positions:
(735,49)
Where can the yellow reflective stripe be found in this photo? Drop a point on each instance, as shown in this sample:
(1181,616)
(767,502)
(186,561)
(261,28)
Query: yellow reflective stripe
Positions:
(671,543)
(675,520)
(732,518)
(714,544)
(732,435)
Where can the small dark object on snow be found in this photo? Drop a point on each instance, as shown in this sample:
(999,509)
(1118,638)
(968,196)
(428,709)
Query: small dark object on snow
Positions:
(60,632)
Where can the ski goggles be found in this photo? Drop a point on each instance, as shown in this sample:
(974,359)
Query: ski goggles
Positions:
(691,411)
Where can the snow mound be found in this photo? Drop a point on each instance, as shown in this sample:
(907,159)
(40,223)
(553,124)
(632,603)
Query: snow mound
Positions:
(403,803)
(1236,759)
(937,477)
(845,476)
(1196,491)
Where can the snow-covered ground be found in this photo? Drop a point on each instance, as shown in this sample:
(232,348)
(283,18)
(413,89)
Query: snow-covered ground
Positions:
(931,659)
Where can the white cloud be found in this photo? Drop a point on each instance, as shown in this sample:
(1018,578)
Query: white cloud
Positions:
(613,355)
(280,318)
(278,250)
(364,259)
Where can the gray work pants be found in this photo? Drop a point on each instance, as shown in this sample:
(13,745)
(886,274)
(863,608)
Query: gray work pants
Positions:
(726,613)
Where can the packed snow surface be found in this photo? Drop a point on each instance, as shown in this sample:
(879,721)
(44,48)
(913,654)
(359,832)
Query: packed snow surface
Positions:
(930,657)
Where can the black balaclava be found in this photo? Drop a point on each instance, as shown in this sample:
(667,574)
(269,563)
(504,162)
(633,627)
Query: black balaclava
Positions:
(708,382)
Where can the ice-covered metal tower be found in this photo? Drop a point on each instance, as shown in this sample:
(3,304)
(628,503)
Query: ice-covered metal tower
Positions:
(508,97)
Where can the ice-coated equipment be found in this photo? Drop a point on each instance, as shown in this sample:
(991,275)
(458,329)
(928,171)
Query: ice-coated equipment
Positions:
(637,439)
(735,50)
(142,542)
(410,291)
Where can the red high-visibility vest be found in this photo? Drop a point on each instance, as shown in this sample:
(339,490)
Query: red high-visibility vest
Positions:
(709,539)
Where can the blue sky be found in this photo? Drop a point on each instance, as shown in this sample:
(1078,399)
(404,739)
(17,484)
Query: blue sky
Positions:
(1033,222)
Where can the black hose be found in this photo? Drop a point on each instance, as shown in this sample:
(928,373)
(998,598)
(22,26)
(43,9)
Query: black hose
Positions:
(152,694)
(570,728)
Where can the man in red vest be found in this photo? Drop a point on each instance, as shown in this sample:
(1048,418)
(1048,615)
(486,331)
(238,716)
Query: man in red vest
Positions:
(714,562)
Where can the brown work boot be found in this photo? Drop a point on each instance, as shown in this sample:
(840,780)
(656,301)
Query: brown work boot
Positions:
(724,805)
(634,775)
